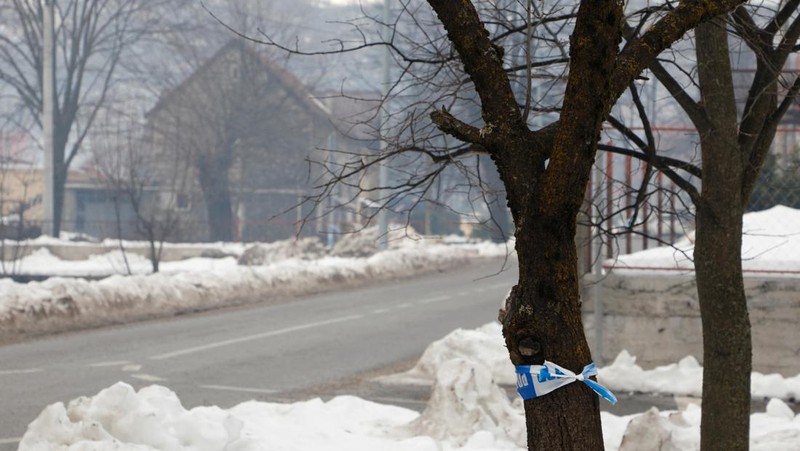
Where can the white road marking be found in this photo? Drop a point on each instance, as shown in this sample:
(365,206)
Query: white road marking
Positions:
(148,377)
(6,441)
(273,333)
(404,305)
(239,389)
(131,368)
(379,311)
(114,363)
(25,371)
(462,293)
(436,299)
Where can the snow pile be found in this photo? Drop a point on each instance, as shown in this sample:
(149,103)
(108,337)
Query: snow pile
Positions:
(151,419)
(267,253)
(467,411)
(43,262)
(467,406)
(121,419)
(484,344)
(366,241)
(484,248)
(685,378)
(777,428)
(39,257)
(771,243)
(108,259)
(58,304)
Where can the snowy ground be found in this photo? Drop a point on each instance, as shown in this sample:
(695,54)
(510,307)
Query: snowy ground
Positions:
(259,273)
(770,245)
(467,409)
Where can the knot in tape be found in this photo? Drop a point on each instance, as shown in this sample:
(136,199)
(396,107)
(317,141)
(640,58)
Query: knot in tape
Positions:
(534,381)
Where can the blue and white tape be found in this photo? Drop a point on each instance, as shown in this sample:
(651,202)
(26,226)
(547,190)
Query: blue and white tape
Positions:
(538,380)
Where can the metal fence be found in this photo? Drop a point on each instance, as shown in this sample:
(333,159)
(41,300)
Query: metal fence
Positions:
(629,209)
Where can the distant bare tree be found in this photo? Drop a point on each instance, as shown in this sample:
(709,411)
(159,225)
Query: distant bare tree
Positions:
(127,168)
(92,37)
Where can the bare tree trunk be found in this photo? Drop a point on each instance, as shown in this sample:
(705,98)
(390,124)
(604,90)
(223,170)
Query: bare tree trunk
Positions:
(213,178)
(155,252)
(118,220)
(547,324)
(727,348)
(543,318)
(60,180)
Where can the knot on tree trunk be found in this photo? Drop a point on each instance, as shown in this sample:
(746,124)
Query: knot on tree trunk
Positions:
(524,346)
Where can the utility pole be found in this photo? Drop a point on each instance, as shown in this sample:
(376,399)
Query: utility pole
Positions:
(597,265)
(383,223)
(48,121)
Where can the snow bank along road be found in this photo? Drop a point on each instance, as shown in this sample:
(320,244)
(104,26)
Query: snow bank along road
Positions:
(226,357)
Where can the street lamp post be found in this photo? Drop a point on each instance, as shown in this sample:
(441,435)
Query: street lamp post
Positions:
(48,121)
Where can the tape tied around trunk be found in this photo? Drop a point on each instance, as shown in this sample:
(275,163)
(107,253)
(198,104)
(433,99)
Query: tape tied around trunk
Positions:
(534,381)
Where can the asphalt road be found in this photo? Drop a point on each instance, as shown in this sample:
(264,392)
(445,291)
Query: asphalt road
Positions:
(259,352)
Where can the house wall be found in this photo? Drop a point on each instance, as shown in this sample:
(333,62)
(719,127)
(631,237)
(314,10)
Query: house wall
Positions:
(99,213)
(21,187)
(656,317)
(237,114)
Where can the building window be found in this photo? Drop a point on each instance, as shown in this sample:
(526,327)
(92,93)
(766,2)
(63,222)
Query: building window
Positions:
(182,202)
(175,201)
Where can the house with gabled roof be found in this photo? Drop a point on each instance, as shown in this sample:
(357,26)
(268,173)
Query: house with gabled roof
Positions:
(231,145)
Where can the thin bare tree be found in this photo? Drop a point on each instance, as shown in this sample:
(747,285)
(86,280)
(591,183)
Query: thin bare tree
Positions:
(91,41)
(127,168)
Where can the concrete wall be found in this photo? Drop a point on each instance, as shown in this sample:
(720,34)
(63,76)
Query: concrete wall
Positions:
(657,319)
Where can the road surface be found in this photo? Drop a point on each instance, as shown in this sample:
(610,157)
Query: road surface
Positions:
(257,352)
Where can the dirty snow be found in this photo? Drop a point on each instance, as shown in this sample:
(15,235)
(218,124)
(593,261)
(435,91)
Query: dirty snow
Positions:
(61,303)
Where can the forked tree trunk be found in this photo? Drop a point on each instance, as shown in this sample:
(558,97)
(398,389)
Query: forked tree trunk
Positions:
(727,351)
(543,319)
(545,173)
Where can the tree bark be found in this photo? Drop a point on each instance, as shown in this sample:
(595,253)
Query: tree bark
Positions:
(727,351)
(543,320)
(544,323)
(59,181)
(60,173)
(214,182)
